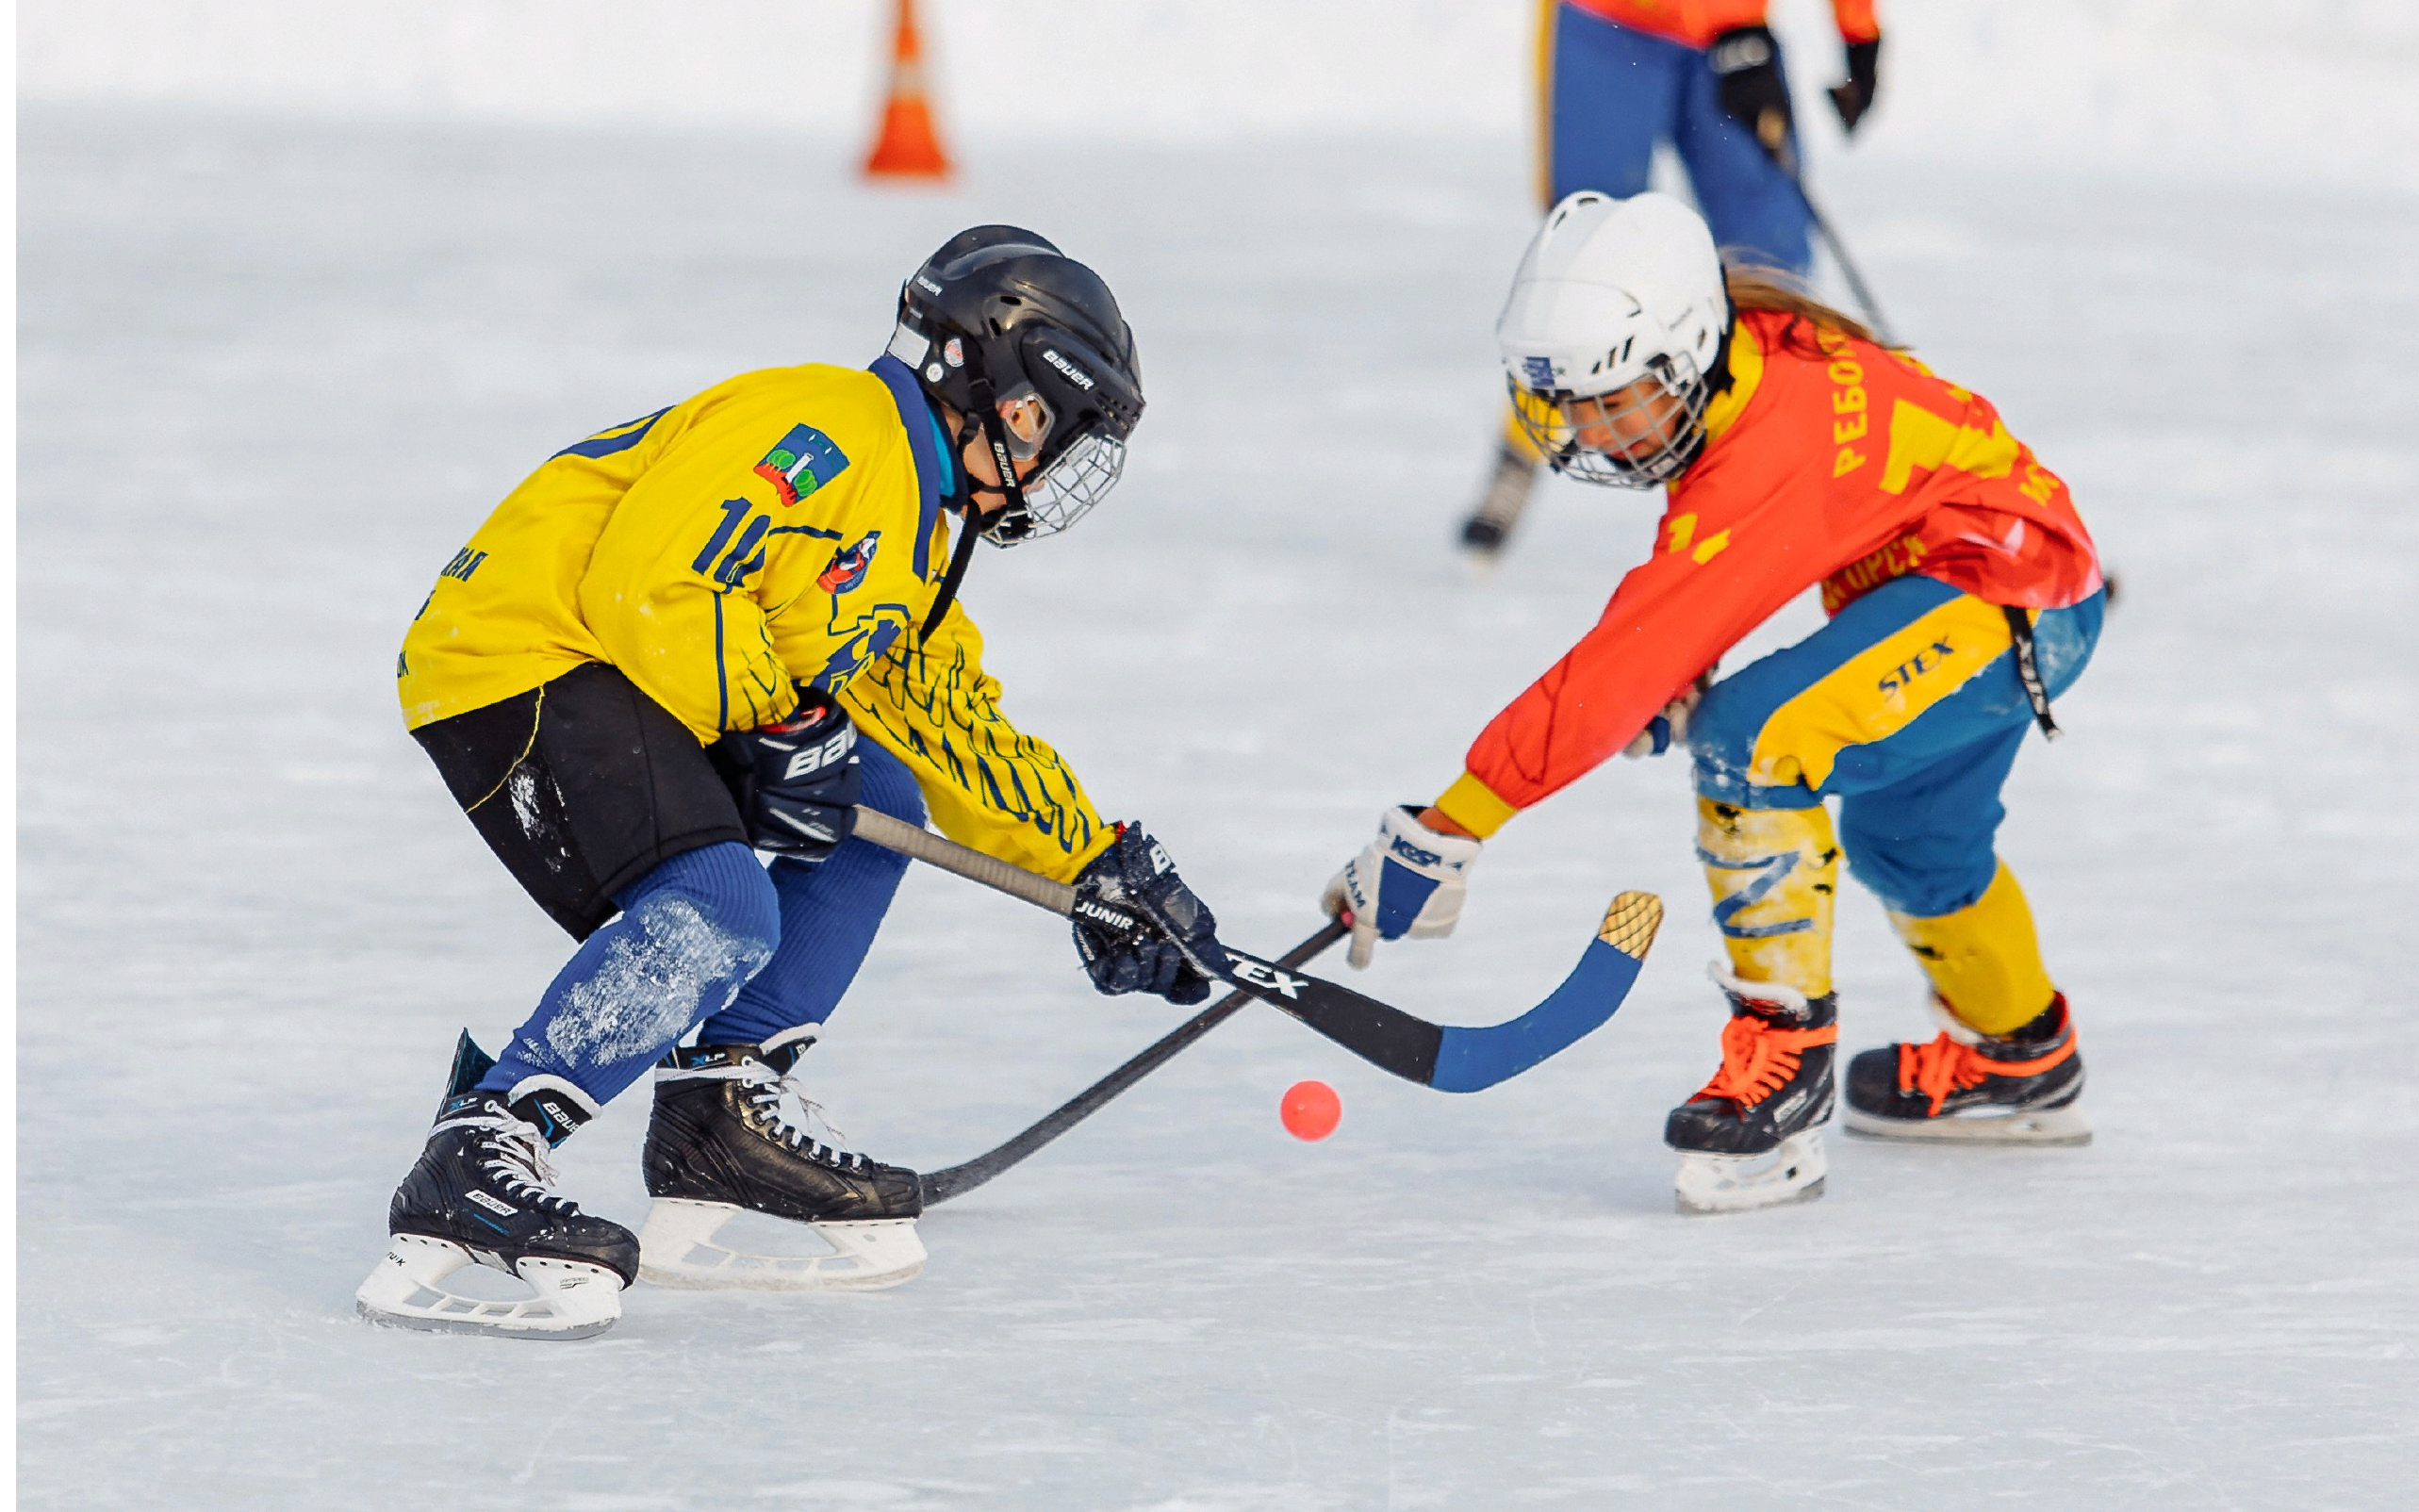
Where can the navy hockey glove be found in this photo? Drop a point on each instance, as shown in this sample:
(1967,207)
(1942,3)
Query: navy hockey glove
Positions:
(1407,882)
(1135,920)
(1853,98)
(796,780)
(1747,61)
(1671,727)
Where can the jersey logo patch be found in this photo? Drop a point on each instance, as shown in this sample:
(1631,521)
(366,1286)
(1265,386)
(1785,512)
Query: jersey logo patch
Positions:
(805,461)
(849,564)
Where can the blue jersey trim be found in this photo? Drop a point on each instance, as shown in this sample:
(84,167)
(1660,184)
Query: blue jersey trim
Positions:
(620,439)
(935,479)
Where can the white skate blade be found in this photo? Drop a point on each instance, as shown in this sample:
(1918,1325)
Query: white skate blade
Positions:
(677,1249)
(2051,1125)
(570,1299)
(1792,1172)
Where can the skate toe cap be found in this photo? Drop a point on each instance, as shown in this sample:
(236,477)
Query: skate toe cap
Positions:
(1873,1079)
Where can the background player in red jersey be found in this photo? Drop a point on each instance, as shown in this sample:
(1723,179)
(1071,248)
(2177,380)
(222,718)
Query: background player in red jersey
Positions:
(1616,79)
(1963,593)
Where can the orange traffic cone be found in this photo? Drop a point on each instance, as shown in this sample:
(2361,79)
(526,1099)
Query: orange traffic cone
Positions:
(907,147)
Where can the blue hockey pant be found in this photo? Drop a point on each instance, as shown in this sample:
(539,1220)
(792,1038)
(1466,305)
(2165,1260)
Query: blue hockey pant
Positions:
(1907,708)
(1612,93)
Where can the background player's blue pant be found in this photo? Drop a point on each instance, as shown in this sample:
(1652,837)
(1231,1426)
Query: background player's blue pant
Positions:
(1614,92)
(1919,805)
(712,935)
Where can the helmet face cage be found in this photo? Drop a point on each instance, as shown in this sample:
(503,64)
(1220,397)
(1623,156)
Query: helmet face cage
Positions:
(1080,454)
(1554,419)
(1061,492)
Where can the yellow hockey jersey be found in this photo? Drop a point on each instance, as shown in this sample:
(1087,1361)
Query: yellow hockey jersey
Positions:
(782,527)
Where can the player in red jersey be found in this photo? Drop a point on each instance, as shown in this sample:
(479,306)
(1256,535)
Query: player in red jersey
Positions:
(1964,594)
(1618,78)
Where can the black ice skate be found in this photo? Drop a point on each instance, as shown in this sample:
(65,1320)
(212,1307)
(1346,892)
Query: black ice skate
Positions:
(1752,1137)
(480,1194)
(1966,1088)
(1499,509)
(722,1140)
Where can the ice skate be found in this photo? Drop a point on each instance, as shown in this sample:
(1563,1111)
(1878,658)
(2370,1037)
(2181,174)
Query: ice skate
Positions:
(723,1143)
(481,1196)
(1967,1088)
(1489,525)
(1752,1137)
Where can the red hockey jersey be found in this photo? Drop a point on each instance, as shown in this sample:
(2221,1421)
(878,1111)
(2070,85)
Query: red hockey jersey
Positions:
(1697,23)
(1829,460)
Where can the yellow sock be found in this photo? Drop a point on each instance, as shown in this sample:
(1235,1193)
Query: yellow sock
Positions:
(1774,873)
(1983,959)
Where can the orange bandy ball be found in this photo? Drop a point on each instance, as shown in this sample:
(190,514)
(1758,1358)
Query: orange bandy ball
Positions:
(1310,1110)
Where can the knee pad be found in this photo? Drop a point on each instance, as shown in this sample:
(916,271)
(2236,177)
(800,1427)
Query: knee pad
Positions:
(1985,959)
(1774,874)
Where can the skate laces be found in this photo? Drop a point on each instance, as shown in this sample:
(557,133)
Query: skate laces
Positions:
(1758,1058)
(1945,1067)
(767,1091)
(515,1151)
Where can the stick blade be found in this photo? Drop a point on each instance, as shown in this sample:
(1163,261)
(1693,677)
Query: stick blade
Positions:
(1472,1060)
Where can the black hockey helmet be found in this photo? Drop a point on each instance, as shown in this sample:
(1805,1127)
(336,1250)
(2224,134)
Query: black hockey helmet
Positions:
(1001,314)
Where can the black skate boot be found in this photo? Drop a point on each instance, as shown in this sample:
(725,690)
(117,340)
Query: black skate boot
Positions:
(1967,1088)
(722,1140)
(1489,525)
(480,1194)
(1753,1136)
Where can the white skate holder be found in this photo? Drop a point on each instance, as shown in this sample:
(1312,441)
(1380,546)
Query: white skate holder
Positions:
(1791,1171)
(570,1299)
(2051,1125)
(676,1248)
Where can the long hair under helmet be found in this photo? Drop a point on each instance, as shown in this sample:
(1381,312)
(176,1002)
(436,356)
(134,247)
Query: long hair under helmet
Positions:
(1612,291)
(1001,314)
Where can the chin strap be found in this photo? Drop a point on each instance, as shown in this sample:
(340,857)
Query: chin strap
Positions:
(995,435)
(965,553)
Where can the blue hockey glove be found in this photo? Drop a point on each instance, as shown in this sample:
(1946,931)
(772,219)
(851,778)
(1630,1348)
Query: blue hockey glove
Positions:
(1671,727)
(1135,921)
(1409,881)
(796,780)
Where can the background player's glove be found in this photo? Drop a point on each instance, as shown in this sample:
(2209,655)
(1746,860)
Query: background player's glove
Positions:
(1853,98)
(1409,881)
(1748,62)
(1135,920)
(1671,727)
(796,780)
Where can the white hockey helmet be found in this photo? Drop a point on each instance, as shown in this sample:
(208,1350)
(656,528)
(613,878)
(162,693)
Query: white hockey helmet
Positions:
(1612,291)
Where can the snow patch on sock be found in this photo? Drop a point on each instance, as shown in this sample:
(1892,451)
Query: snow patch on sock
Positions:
(653,984)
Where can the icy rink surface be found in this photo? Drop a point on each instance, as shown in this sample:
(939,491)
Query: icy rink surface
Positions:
(272,376)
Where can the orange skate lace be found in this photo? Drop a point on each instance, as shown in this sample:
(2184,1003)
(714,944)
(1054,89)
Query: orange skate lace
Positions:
(1758,1058)
(1946,1066)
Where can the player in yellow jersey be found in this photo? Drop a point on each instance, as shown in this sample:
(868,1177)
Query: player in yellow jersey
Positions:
(714,630)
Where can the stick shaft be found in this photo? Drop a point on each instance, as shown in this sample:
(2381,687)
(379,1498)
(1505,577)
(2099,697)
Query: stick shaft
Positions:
(940,1186)
(966,861)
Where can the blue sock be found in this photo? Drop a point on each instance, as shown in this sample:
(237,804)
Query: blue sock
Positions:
(691,933)
(829,915)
